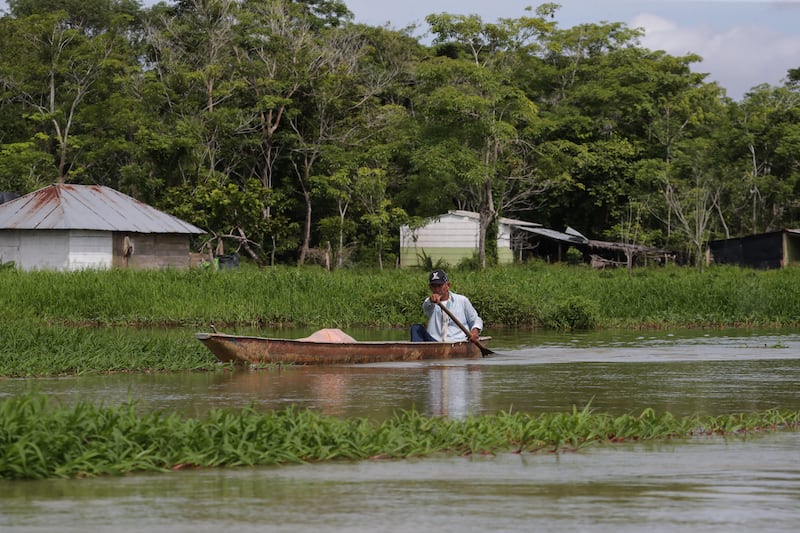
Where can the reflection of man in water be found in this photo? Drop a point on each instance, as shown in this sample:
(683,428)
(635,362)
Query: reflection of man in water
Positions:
(331,389)
(440,327)
(455,392)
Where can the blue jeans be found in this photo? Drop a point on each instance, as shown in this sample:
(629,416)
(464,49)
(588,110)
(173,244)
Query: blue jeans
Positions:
(420,334)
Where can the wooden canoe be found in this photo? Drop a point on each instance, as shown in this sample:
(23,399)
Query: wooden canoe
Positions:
(263,350)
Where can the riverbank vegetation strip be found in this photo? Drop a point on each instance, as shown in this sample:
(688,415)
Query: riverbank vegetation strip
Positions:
(40,438)
(59,323)
(531,295)
(35,350)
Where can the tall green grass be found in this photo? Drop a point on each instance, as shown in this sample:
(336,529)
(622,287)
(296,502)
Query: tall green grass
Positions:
(59,323)
(42,439)
(29,350)
(536,295)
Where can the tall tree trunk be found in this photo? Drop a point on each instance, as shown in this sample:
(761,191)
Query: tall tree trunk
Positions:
(486,216)
(306,229)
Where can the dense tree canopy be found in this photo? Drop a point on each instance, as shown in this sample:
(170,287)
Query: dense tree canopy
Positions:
(287,130)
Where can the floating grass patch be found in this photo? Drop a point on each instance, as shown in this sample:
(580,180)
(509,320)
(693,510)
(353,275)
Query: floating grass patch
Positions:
(43,439)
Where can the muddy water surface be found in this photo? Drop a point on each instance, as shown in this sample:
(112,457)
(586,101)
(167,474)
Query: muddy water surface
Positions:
(702,484)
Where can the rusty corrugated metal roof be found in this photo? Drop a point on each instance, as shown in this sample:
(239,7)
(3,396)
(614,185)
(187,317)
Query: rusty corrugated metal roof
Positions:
(88,207)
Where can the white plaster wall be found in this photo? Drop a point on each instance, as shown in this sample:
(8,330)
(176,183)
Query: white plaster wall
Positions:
(56,249)
(43,250)
(9,246)
(90,249)
(451,231)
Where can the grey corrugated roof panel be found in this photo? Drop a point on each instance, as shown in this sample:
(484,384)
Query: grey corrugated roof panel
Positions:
(519,223)
(557,235)
(502,220)
(88,207)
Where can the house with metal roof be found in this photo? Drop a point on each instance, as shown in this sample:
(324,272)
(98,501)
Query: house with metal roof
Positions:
(73,227)
(453,237)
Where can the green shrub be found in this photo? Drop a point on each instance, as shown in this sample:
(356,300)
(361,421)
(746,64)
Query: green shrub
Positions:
(574,256)
(574,313)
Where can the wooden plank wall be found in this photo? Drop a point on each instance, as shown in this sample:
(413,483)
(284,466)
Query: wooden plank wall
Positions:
(152,250)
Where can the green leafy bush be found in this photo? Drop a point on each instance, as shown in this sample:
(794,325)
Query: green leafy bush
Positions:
(574,313)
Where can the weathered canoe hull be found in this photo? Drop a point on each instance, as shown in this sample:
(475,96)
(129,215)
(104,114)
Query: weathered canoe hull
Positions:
(262,350)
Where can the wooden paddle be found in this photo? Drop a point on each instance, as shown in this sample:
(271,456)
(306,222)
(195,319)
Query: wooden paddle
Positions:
(484,350)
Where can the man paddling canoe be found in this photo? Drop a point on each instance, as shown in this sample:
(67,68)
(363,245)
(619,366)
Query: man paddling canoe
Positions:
(442,327)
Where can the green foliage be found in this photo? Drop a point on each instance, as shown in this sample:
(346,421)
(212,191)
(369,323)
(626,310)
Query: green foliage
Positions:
(574,313)
(574,256)
(536,295)
(24,168)
(223,209)
(372,126)
(469,263)
(31,350)
(43,439)
(66,323)
(425,262)
(491,244)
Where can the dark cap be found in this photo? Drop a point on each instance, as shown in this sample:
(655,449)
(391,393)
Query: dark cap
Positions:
(437,277)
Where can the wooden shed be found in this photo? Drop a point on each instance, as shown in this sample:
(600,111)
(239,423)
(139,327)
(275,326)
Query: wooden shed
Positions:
(552,246)
(74,227)
(774,249)
(454,237)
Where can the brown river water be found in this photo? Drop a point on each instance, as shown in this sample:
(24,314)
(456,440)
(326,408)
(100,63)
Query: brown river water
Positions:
(700,484)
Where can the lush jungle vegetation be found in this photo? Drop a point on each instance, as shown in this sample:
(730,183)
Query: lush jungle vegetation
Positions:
(283,128)
(45,440)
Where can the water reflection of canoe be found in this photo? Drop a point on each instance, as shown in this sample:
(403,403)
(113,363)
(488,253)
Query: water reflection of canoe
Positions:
(263,350)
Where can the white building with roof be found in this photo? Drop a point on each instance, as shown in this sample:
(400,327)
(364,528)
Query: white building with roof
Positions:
(453,237)
(73,227)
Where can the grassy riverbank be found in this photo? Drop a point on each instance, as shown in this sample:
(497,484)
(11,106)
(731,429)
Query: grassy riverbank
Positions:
(536,295)
(31,350)
(122,320)
(45,440)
